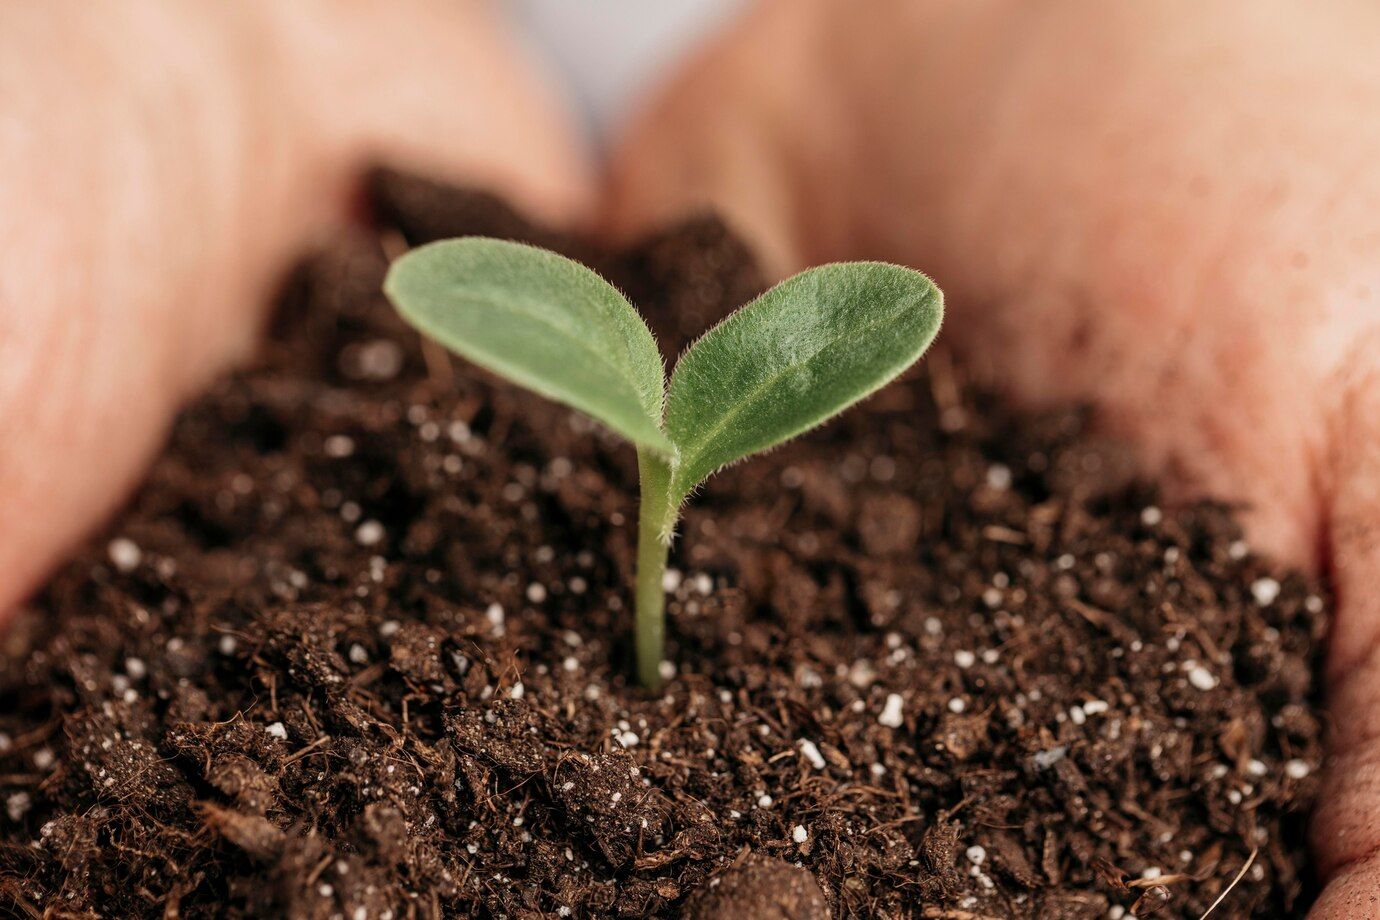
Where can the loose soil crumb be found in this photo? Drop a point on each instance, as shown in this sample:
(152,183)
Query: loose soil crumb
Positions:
(360,649)
(760,887)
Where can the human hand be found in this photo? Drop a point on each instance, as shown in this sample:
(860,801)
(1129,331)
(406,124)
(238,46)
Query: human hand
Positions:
(1171,210)
(234,133)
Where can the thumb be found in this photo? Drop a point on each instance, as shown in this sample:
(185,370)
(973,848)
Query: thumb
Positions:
(1346,831)
(728,133)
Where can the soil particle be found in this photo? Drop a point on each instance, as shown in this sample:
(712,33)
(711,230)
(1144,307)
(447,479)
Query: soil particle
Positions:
(761,887)
(359,648)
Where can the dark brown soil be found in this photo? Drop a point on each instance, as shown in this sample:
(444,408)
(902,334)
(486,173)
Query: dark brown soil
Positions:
(359,649)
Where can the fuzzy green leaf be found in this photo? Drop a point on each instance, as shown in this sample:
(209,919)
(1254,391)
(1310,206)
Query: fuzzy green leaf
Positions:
(802,352)
(542,321)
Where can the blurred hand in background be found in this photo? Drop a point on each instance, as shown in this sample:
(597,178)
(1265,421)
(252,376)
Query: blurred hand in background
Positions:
(1171,210)
(163,162)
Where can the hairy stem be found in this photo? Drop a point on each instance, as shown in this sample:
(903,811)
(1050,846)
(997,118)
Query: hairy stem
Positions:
(655,522)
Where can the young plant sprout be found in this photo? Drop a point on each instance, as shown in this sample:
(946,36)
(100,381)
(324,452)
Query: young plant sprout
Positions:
(799,354)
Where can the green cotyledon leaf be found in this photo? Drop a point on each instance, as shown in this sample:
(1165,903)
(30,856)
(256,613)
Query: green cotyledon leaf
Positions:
(801,353)
(542,321)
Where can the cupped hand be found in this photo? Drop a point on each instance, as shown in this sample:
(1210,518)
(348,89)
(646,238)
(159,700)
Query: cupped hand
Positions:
(1169,209)
(160,167)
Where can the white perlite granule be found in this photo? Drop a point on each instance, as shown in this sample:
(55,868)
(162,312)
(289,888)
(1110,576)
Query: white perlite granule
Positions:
(125,554)
(1200,677)
(891,715)
(369,533)
(1265,590)
(1297,769)
(810,752)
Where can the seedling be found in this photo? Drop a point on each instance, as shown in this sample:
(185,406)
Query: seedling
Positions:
(801,353)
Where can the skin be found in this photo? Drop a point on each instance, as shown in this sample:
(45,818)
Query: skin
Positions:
(230,136)
(1170,209)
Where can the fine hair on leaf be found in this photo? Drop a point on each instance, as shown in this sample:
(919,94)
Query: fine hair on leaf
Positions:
(793,358)
(541,320)
(796,356)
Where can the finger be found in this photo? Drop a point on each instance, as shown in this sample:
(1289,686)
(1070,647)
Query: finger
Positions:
(439,86)
(1353,892)
(161,170)
(1346,829)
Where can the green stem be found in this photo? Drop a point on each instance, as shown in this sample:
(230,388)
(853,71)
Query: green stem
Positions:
(655,521)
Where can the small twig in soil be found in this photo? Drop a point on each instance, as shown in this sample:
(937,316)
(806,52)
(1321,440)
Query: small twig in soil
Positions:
(318,869)
(23,904)
(998,534)
(878,828)
(1093,615)
(438,368)
(368,675)
(945,913)
(1239,876)
(307,750)
(1159,881)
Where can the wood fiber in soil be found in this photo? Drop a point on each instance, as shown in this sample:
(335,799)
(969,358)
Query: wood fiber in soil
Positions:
(359,649)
